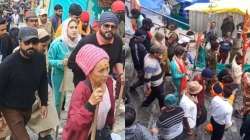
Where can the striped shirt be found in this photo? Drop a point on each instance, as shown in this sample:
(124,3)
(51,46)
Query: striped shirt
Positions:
(153,71)
(170,123)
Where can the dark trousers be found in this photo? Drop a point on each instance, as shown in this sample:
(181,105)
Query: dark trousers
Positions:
(16,120)
(103,134)
(218,130)
(140,81)
(157,92)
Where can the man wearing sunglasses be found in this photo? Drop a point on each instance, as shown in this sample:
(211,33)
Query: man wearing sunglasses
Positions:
(6,45)
(22,74)
(107,39)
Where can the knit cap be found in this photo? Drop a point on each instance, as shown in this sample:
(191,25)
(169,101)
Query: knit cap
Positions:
(118,6)
(88,56)
(109,17)
(85,17)
(170,100)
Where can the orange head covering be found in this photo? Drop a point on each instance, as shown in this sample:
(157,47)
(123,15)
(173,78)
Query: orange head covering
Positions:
(84,17)
(118,6)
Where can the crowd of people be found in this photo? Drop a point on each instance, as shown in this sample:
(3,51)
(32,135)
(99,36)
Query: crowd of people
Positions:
(210,83)
(43,60)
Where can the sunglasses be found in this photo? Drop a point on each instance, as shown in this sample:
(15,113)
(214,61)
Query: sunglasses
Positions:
(107,26)
(32,41)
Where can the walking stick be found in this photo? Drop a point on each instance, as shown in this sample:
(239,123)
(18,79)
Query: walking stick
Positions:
(94,124)
(120,97)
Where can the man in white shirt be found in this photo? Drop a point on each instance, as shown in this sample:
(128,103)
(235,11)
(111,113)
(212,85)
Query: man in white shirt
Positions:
(221,113)
(188,104)
(237,69)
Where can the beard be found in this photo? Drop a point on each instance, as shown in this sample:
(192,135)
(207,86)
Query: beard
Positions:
(28,53)
(108,35)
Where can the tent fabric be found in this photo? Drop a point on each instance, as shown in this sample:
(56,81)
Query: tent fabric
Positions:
(152,4)
(198,21)
(201,13)
(233,6)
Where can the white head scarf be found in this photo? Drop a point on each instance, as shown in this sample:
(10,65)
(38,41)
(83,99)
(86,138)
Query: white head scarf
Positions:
(64,36)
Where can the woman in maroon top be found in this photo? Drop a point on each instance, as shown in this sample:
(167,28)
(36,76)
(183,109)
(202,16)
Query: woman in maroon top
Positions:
(97,89)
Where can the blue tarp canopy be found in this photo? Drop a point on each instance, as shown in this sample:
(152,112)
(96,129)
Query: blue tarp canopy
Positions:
(193,1)
(152,4)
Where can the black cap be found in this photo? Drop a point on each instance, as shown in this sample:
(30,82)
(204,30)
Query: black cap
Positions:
(27,33)
(75,9)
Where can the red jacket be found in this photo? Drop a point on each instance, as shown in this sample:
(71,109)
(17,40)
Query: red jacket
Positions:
(79,118)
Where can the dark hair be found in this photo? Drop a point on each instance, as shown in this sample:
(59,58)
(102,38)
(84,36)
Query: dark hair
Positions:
(223,73)
(212,38)
(155,49)
(75,9)
(227,90)
(227,79)
(190,33)
(57,7)
(214,45)
(130,116)
(179,50)
(14,36)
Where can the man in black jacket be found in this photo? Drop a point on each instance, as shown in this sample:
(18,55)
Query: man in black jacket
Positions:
(22,74)
(107,39)
(138,52)
(6,46)
(147,24)
(227,26)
